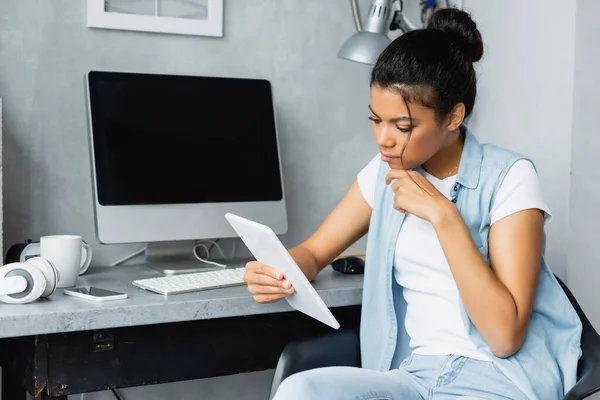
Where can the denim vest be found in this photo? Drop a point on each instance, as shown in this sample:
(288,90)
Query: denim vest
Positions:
(545,367)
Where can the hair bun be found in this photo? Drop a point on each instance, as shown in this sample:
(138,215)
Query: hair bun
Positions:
(463,31)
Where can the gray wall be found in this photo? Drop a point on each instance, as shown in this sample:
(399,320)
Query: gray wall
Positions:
(584,258)
(45,50)
(525,96)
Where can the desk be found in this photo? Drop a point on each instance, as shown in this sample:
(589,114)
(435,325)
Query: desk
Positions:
(65,345)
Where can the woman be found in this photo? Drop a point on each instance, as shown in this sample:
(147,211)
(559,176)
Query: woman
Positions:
(458,301)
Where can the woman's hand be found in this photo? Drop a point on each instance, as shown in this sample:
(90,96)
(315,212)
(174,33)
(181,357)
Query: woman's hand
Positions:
(265,283)
(416,195)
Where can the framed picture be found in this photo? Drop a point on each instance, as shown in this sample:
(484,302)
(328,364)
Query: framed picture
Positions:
(183,17)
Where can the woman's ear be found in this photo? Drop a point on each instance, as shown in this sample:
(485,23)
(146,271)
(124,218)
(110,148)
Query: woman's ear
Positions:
(456,117)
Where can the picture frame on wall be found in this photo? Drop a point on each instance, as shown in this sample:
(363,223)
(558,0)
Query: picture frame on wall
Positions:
(182,17)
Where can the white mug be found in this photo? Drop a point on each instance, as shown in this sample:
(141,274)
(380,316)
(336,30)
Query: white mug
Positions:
(65,253)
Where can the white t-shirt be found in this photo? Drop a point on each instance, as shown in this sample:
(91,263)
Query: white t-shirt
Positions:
(433,319)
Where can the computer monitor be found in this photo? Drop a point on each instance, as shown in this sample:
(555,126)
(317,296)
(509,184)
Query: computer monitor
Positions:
(171,155)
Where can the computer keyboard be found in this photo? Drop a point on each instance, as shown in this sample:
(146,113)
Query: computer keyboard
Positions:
(185,283)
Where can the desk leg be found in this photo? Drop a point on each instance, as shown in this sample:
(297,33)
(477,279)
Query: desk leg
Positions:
(11,389)
(24,364)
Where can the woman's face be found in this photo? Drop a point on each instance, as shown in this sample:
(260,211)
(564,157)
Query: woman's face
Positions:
(391,125)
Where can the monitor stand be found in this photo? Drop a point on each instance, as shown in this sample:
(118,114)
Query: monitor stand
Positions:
(171,258)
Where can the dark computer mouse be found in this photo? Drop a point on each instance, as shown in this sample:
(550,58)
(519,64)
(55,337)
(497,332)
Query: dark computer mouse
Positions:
(349,265)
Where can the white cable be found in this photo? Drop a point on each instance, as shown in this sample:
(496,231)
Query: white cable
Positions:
(205,260)
(218,246)
(128,257)
(410,25)
(215,244)
(232,249)
(200,244)
(405,22)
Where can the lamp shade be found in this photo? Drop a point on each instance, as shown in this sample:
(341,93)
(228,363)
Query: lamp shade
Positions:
(364,47)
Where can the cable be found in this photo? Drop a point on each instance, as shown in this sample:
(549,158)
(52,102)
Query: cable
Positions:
(400,21)
(200,244)
(356,14)
(128,257)
(116,393)
(205,260)
(213,244)
(232,249)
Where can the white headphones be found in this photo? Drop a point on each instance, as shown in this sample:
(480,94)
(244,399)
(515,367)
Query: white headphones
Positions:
(24,282)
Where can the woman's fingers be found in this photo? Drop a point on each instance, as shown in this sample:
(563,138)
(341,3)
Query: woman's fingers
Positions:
(265,283)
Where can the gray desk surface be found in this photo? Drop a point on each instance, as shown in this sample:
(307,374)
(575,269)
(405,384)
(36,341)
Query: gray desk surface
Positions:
(62,313)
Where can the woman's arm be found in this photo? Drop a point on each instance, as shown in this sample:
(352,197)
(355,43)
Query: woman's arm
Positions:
(498,299)
(347,223)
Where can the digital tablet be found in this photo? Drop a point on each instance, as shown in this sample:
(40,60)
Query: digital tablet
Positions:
(268,250)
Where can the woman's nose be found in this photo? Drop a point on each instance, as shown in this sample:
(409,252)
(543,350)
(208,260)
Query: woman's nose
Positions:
(384,137)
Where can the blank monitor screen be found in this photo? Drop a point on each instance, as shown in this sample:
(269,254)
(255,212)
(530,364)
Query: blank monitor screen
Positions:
(163,139)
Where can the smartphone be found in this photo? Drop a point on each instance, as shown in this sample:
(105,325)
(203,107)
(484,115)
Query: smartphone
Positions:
(95,294)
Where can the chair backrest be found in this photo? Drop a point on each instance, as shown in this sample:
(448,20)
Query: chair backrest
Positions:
(590,340)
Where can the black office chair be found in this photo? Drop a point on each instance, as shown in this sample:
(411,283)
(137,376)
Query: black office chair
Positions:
(342,349)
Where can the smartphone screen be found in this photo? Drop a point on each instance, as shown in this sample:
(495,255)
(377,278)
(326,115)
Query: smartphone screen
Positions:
(96,292)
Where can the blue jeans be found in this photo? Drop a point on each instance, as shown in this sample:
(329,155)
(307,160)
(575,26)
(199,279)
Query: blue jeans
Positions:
(418,378)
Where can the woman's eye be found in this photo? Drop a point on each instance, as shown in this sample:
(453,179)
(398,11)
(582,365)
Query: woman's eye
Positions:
(403,129)
(374,120)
